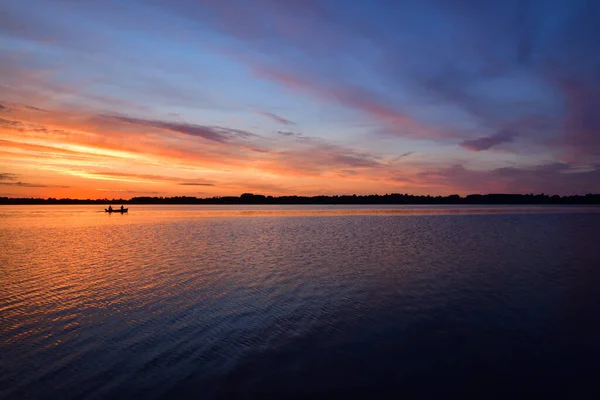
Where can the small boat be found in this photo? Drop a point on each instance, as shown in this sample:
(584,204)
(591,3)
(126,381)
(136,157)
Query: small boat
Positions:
(116,210)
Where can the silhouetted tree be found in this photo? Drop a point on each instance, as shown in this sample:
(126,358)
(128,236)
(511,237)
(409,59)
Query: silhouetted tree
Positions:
(392,198)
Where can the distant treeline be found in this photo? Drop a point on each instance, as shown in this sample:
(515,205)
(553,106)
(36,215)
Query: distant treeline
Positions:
(394,198)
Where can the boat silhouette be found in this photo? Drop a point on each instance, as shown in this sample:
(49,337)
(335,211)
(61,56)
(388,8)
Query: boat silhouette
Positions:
(117,210)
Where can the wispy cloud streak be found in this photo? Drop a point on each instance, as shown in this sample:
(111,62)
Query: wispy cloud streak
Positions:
(487,142)
(276,118)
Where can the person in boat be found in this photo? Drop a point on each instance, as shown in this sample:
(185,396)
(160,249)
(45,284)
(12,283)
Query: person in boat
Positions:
(122,207)
(109,208)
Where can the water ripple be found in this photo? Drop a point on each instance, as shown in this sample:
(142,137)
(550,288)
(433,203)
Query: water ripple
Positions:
(253,303)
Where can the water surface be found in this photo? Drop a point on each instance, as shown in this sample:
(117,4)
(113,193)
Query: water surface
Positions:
(218,301)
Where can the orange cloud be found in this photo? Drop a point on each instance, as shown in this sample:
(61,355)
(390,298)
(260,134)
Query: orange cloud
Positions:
(79,151)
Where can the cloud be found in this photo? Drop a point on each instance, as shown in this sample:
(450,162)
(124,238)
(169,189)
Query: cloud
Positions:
(487,142)
(5,176)
(12,124)
(376,106)
(288,133)
(276,118)
(259,150)
(401,156)
(35,108)
(213,133)
(496,76)
(582,123)
(48,151)
(315,157)
(32,185)
(513,67)
(147,177)
(555,178)
(555,53)
(136,192)
(109,141)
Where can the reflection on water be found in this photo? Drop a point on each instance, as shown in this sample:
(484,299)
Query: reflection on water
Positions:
(95,215)
(164,302)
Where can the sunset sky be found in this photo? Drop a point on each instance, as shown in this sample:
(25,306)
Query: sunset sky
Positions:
(103,99)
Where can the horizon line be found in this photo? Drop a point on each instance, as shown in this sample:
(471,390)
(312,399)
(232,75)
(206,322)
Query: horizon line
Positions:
(256,196)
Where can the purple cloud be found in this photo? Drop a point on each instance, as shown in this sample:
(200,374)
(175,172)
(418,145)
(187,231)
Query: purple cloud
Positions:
(487,142)
(213,133)
(555,178)
(276,118)
(195,184)
(288,133)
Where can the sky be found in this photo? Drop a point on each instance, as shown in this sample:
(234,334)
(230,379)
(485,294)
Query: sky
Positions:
(117,99)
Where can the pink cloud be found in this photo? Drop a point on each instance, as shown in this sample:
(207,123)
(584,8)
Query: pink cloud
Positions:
(371,104)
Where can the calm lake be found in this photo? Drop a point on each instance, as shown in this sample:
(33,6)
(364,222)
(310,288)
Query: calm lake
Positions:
(221,301)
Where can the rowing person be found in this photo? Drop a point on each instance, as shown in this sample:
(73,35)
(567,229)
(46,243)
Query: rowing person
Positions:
(122,208)
(110,208)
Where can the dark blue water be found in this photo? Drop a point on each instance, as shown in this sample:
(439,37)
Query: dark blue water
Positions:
(229,306)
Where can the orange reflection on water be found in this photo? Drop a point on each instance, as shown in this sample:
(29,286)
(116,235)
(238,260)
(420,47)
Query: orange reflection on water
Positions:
(85,295)
(87,215)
